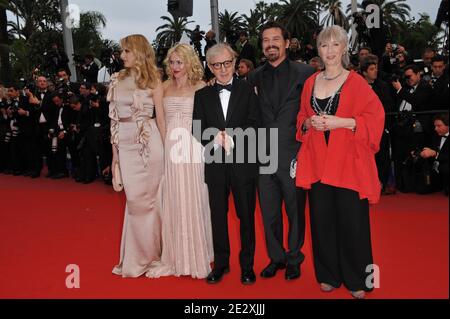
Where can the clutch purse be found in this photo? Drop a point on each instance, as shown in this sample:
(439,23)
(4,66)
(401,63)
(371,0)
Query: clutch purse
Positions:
(117,178)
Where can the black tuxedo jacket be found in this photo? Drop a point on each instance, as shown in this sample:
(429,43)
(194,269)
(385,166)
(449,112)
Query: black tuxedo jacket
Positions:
(419,100)
(284,116)
(443,153)
(243,112)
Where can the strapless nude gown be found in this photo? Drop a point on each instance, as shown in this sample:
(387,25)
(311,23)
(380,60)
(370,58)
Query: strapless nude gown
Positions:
(187,248)
(141,158)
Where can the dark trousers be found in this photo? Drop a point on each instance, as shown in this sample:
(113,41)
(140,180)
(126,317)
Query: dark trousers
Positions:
(21,160)
(58,159)
(340,231)
(273,190)
(5,156)
(383,159)
(244,195)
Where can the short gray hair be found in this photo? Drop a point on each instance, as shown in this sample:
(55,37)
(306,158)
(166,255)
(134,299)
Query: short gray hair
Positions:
(217,49)
(340,35)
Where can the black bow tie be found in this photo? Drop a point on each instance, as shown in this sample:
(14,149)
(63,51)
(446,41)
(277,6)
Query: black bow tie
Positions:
(221,87)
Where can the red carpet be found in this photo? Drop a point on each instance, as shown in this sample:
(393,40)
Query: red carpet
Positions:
(46,225)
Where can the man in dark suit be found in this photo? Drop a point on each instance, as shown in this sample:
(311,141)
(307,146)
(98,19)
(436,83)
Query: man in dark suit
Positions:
(439,83)
(247,50)
(439,152)
(220,112)
(89,70)
(279,84)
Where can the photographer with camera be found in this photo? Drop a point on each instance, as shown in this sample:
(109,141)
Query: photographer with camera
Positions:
(64,86)
(56,59)
(20,111)
(95,140)
(41,109)
(5,135)
(59,127)
(89,70)
(410,131)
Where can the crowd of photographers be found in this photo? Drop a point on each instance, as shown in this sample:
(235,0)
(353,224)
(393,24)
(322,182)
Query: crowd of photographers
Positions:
(67,123)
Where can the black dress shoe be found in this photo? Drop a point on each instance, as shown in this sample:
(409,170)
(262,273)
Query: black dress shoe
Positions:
(216,275)
(271,270)
(88,181)
(248,277)
(292,272)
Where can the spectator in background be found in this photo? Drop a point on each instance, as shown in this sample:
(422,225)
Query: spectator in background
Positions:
(210,38)
(244,68)
(369,69)
(56,59)
(89,70)
(315,62)
(363,53)
(439,83)
(247,50)
(294,52)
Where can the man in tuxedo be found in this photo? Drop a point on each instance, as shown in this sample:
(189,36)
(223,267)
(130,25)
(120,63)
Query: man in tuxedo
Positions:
(439,152)
(220,112)
(40,142)
(59,127)
(439,83)
(279,85)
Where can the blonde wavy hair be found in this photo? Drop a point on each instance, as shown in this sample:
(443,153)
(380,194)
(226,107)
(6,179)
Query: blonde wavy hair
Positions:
(147,75)
(190,58)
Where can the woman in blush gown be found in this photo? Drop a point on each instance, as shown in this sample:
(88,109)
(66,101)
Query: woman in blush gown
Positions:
(186,222)
(135,94)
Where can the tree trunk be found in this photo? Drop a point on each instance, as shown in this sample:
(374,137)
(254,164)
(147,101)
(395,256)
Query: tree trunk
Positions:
(5,65)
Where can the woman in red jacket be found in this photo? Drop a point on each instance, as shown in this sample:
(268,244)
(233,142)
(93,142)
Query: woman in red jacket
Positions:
(340,125)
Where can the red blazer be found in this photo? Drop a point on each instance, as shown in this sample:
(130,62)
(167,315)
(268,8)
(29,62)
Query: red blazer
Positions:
(349,159)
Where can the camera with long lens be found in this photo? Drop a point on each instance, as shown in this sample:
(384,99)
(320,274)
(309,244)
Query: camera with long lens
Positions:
(25,84)
(63,89)
(13,106)
(54,139)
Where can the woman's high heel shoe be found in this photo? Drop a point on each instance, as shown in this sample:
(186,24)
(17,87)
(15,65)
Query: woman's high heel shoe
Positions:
(360,294)
(326,287)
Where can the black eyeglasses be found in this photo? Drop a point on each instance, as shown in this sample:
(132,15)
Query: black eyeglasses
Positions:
(218,65)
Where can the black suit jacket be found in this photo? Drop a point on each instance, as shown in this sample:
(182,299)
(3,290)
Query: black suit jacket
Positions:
(248,52)
(440,93)
(243,112)
(419,100)
(284,116)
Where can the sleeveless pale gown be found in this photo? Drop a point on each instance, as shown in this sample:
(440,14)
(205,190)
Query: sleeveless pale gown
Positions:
(141,158)
(187,248)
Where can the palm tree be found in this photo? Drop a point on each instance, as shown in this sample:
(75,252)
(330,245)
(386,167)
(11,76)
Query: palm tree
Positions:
(252,22)
(299,17)
(230,23)
(335,14)
(87,37)
(266,12)
(42,15)
(172,31)
(394,12)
